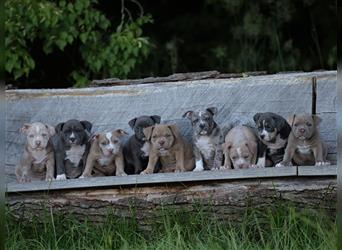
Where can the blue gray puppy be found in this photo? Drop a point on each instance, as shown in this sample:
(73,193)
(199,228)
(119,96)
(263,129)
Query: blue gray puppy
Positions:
(207,139)
(71,144)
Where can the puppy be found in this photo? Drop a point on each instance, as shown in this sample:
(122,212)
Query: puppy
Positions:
(273,131)
(105,157)
(207,139)
(136,149)
(168,145)
(305,146)
(240,148)
(38,160)
(71,148)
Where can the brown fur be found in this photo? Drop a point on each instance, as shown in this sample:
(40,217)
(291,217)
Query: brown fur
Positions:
(310,141)
(99,161)
(176,155)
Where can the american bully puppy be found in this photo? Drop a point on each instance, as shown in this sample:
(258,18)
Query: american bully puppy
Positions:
(38,160)
(207,139)
(105,157)
(241,148)
(305,145)
(136,149)
(71,148)
(167,144)
(273,131)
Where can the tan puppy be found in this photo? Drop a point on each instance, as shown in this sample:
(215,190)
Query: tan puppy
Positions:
(240,148)
(38,160)
(168,145)
(105,157)
(305,146)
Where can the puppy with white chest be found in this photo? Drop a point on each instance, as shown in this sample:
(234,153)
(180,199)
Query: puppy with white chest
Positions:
(168,146)
(207,139)
(38,160)
(305,145)
(105,157)
(136,149)
(71,148)
(240,148)
(273,131)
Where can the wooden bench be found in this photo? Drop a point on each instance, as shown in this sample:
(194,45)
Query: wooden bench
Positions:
(237,99)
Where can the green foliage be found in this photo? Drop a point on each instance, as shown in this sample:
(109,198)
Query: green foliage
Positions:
(278,227)
(106,51)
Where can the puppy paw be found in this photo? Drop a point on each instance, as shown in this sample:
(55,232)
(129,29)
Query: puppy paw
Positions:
(121,174)
(225,168)
(24,179)
(61,177)
(49,178)
(322,163)
(146,171)
(279,165)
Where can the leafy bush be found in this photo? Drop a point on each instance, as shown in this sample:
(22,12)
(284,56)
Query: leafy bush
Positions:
(105,50)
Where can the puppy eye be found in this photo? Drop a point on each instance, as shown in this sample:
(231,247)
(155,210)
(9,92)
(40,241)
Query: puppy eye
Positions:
(234,158)
(308,124)
(31,136)
(246,157)
(154,137)
(296,125)
(195,121)
(168,135)
(103,143)
(115,141)
(44,135)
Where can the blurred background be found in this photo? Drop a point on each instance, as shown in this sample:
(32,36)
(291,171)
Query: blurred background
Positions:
(58,44)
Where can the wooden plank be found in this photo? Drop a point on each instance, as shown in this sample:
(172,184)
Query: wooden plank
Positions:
(237,99)
(112,181)
(317,170)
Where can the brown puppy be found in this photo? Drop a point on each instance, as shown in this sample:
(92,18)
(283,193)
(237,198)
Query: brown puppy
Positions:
(240,148)
(168,145)
(105,157)
(304,146)
(38,160)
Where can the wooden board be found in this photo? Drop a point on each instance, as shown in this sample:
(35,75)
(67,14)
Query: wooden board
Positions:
(237,99)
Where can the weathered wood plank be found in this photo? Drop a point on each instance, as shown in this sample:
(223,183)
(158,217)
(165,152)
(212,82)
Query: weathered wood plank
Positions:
(238,99)
(317,170)
(226,200)
(154,179)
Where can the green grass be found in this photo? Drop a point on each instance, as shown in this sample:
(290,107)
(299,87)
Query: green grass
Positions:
(281,228)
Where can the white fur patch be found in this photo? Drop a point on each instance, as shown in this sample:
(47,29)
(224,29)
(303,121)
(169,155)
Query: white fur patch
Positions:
(109,137)
(204,145)
(261,162)
(146,148)
(61,177)
(75,153)
(199,165)
(305,149)
(104,160)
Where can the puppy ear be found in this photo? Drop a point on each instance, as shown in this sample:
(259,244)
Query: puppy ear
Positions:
(25,128)
(188,114)
(316,119)
(226,146)
(94,137)
(253,148)
(131,123)
(156,118)
(148,132)
(212,110)
(59,127)
(51,129)
(291,119)
(256,117)
(86,125)
(175,131)
(121,132)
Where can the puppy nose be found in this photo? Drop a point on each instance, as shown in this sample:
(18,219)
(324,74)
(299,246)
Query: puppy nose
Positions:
(302,130)
(110,150)
(72,139)
(38,143)
(161,143)
(201,125)
(262,136)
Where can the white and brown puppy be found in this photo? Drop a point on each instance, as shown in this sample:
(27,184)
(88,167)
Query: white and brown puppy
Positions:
(168,146)
(38,160)
(273,131)
(305,145)
(105,157)
(207,139)
(240,148)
